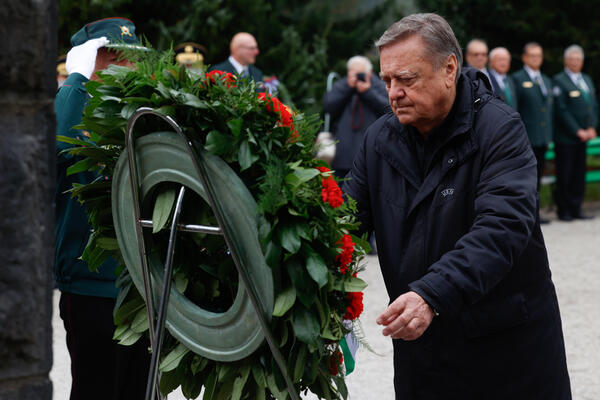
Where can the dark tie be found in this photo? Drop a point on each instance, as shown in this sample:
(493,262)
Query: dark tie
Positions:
(584,91)
(540,83)
(507,92)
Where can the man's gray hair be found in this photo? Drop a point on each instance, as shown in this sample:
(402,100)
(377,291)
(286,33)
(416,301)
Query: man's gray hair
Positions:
(497,50)
(530,45)
(573,49)
(434,30)
(473,41)
(360,60)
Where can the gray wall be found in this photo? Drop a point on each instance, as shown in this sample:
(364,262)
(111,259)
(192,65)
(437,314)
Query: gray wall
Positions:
(27,125)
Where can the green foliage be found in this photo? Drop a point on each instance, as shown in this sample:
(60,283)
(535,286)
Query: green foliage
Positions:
(554,24)
(299,233)
(300,41)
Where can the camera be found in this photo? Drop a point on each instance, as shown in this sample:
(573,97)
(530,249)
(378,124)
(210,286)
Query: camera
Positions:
(361,76)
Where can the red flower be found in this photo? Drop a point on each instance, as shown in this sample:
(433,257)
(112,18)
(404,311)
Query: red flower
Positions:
(335,360)
(331,192)
(355,308)
(275,106)
(345,257)
(227,77)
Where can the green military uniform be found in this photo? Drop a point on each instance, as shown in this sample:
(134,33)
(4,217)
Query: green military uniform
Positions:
(576,108)
(536,109)
(72,227)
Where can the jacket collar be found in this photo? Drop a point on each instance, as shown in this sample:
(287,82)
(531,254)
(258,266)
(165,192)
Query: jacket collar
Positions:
(391,144)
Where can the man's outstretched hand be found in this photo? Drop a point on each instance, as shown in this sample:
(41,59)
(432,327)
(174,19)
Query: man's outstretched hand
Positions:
(406,318)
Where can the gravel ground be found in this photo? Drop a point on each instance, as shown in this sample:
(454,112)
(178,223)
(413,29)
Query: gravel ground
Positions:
(574,252)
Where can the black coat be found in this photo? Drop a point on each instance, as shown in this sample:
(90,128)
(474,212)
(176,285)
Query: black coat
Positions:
(351,114)
(467,239)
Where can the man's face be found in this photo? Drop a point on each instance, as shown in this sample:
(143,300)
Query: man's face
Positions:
(247,51)
(106,57)
(419,94)
(500,62)
(574,61)
(533,57)
(477,54)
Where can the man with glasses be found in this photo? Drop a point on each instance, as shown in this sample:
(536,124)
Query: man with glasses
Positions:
(477,55)
(243,51)
(535,104)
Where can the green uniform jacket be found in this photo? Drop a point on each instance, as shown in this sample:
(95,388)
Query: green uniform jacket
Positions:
(573,110)
(72,226)
(536,109)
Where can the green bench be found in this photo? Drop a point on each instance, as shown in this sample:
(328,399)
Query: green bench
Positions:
(593,172)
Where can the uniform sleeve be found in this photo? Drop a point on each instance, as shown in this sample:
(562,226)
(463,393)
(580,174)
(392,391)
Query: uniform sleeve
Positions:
(337,98)
(562,111)
(595,110)
(505,209)
(68,106)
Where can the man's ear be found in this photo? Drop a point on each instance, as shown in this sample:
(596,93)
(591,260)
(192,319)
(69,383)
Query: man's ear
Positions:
(451,69)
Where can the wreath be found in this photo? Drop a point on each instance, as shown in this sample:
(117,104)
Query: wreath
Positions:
(305,233)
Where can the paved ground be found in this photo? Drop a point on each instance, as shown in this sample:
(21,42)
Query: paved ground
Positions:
(574,252)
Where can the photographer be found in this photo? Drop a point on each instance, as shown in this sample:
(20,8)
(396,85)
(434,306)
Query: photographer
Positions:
(354,104)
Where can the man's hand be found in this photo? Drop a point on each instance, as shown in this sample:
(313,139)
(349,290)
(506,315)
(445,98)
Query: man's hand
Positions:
(591,133)
(363,86)
(82,58)
(407,317)
(583,135)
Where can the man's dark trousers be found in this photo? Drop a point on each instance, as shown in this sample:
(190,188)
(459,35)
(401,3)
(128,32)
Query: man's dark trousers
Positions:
(89,324)
(570,178)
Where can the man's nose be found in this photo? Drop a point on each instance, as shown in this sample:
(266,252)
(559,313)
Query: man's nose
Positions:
(396,91)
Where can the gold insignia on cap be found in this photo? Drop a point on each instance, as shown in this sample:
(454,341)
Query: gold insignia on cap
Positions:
(574,93)
(125,31)
(527,84)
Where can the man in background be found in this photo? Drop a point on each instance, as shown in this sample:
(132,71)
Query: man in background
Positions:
(101,368)
(243,51)
(502,85)
(354,103)
(477,55)
(576,122)
(535,104)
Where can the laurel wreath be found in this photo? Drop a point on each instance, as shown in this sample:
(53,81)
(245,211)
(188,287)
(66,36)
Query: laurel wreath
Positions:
(307,242)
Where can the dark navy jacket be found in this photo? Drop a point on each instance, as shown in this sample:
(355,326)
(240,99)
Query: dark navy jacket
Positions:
(465,236)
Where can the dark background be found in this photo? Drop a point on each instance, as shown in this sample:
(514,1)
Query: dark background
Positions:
(301,41)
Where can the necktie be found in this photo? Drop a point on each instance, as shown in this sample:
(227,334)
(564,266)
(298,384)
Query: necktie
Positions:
(582,86)
(540,82)
(245,73)
(507,92)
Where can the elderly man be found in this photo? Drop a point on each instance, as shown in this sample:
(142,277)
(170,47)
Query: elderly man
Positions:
(243,51)
(354,103)
(101,368)
(535,104)
(502,85)
(576,122)
(448,183)
(477,55)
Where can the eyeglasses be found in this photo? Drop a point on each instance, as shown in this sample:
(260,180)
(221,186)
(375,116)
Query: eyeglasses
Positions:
(250,47)
(478,54)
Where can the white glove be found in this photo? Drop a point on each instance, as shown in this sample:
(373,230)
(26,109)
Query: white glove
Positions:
(82,58)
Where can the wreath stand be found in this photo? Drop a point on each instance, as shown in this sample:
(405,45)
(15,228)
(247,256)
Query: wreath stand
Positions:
(172,157)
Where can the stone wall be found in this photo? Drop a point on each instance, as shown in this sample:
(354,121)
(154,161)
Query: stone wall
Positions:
(27,128)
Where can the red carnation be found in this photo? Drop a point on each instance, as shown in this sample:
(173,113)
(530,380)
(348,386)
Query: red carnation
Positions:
(227,77)
(335,360)
(355,308)
(275,106)
(345,257)
(331,192)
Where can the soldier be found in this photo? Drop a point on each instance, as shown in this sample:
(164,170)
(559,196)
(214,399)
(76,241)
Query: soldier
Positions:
(576,121)
(191,55)
(101,368)
(535,104)
(503,86)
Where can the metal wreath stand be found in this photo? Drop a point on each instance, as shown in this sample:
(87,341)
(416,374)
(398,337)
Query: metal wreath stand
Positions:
(157,319)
